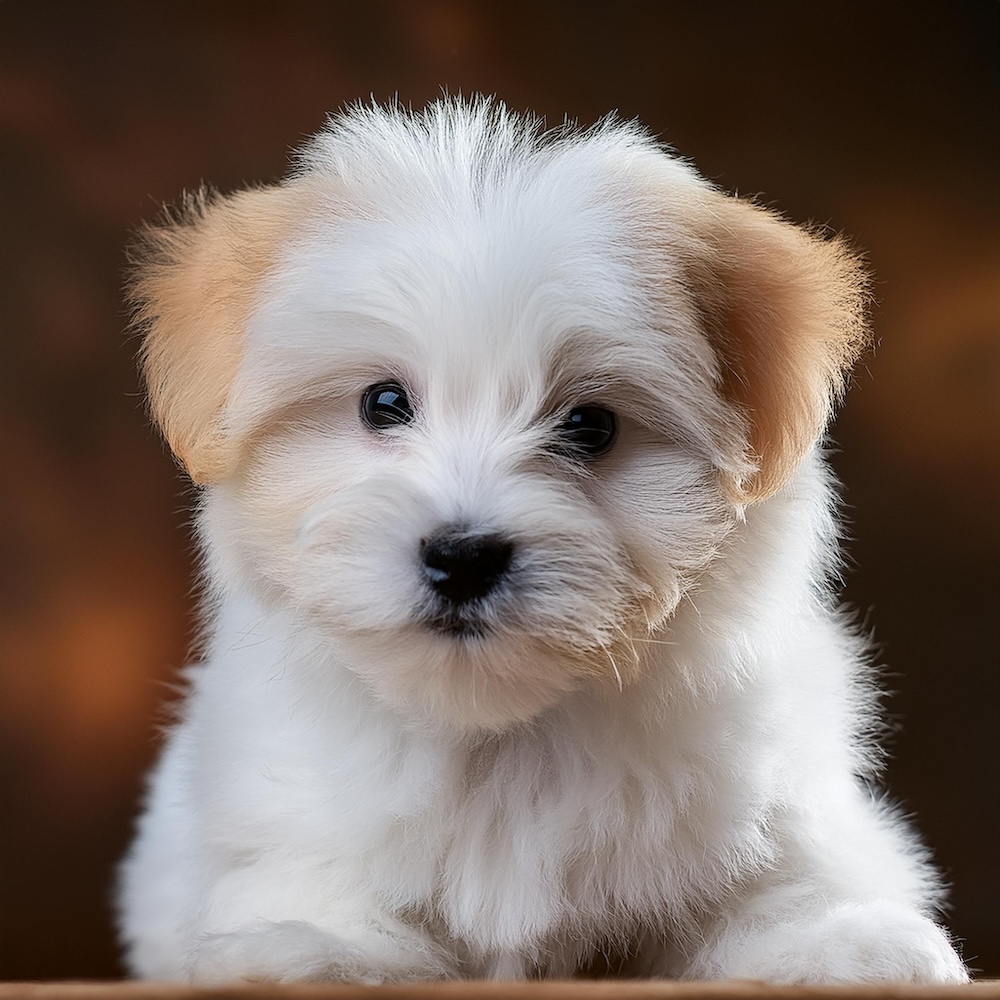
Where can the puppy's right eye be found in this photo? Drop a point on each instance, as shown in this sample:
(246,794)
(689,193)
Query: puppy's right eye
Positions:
(385,404)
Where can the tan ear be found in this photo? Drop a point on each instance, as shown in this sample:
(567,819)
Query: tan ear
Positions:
(193,287)
(785,312)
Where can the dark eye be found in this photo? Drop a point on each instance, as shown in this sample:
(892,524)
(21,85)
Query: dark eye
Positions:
(385,405)
(588,430)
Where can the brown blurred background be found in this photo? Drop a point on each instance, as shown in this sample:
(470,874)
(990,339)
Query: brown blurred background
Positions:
(879,119)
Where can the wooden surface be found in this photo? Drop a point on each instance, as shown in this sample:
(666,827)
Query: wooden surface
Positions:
(569,990)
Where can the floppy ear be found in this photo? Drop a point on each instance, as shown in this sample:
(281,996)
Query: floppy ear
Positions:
(193,288)
(785,313)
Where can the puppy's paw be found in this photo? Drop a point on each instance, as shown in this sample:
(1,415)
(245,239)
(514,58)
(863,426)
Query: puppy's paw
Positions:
(297,951)
(858,943)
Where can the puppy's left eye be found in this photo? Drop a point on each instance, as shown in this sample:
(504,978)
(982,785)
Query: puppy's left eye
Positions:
(386,404)
(589,430)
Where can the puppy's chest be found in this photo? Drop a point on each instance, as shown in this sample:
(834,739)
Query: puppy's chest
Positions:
(528,843)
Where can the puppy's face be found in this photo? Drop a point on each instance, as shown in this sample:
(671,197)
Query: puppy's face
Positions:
(478,429)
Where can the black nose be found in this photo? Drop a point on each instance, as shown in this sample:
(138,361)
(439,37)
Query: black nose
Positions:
(462,567)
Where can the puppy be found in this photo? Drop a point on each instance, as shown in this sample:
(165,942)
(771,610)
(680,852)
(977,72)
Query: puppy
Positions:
(518,543)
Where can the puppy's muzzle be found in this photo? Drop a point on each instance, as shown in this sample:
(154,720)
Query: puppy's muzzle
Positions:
(461,567)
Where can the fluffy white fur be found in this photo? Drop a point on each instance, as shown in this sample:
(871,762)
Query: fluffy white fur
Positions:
(656,748)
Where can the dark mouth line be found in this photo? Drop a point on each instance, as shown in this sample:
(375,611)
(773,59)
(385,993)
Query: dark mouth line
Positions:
(457,626)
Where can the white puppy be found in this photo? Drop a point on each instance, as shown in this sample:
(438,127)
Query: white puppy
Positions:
(518,542)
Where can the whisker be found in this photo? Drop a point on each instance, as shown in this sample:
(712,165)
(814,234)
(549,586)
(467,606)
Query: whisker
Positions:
(653,642)
(614,667)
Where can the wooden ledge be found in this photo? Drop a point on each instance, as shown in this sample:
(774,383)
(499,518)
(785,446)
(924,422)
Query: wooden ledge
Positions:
(561,990)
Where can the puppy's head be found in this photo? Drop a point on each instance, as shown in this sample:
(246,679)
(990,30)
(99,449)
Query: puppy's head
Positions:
(480,403)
